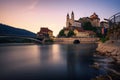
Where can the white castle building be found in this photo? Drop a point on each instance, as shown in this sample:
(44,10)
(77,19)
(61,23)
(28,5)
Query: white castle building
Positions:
(93,19)
(71,21)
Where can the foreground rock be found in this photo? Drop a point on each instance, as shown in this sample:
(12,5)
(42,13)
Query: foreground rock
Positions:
(110,48)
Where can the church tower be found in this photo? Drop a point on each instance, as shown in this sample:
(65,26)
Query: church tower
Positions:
(68,17)
(72,17)
(67,20)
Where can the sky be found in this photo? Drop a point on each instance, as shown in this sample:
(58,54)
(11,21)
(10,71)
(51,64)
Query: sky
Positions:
(34,14)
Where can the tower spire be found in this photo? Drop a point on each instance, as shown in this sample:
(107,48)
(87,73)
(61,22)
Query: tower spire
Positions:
(67,20)
(72,13)
(68,17)
(72,16)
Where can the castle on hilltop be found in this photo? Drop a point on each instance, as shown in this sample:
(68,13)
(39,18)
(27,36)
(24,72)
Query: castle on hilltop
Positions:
(93,19)
(75,28)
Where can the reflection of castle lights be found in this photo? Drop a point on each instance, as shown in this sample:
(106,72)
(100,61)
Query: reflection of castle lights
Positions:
(56,54)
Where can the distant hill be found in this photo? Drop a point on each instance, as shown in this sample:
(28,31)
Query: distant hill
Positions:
(11,31)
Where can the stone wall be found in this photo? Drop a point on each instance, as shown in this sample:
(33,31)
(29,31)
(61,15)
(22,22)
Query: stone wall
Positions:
(71,40)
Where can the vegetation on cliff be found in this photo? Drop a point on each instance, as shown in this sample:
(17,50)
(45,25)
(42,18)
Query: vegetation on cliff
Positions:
(61,33)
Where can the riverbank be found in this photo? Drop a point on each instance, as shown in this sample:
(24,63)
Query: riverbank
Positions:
(108,59)
(110,48)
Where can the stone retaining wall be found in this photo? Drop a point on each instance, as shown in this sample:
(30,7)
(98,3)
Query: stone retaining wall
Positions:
(71,40)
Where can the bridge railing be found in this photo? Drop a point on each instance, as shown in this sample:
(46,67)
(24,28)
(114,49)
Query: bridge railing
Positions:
(115,18)
(22,37)
(114,24)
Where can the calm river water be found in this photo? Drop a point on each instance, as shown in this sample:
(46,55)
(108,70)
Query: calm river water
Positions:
(47,62)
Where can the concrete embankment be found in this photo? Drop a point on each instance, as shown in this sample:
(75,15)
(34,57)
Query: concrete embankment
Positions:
(110,48)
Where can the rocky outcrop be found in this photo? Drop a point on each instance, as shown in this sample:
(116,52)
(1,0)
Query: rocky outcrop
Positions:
(110,48)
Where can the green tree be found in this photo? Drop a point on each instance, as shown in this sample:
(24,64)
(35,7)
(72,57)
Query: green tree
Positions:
(71,33)
(61,33)
(87,26)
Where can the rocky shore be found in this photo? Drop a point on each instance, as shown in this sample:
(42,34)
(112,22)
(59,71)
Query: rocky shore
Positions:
(110,48)
(108,53)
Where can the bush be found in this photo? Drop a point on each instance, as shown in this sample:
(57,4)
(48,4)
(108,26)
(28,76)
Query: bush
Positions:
(61,33)
(71,33)
(104,39)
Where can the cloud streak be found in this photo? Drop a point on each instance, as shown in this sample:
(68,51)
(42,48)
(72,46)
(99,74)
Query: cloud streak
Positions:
(33,4)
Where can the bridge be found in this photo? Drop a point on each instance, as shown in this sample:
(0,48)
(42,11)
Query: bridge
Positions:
(71,40)
(34,40)
(114,24)
(115,18)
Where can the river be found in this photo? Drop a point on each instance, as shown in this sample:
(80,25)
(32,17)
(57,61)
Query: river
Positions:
(48,62)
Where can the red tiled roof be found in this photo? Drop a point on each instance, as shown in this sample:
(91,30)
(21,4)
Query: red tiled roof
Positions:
(94,16)
(67,28)
(44,30)
(77,21)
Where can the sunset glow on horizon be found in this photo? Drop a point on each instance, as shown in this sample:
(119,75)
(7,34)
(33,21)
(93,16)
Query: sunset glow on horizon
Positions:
(34,14)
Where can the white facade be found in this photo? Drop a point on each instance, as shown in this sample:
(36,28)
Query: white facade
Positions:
(77,24)
(72,22)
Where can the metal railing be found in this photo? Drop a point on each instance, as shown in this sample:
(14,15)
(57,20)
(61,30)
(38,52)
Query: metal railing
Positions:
(22,37)
(115,18)
(114,27)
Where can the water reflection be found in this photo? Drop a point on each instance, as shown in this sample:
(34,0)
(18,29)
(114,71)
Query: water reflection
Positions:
(18,58)
(47,62)
(78,60)
(51,54)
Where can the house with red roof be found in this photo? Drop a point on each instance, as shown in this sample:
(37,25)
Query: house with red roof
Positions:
(45,33)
